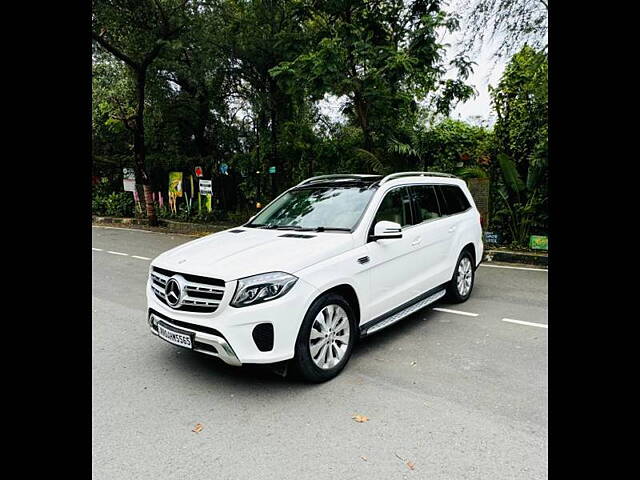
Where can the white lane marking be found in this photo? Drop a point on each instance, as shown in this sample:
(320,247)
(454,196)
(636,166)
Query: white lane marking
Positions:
(118,253)
(97,249)
(457,312)
(516,268)
(125,228)
(531,324)
(141,258)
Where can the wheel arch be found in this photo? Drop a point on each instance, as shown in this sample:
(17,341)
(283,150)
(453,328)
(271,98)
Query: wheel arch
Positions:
(349,293)
(471,248)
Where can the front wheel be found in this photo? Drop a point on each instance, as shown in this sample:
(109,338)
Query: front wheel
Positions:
(326,338)
(461,284)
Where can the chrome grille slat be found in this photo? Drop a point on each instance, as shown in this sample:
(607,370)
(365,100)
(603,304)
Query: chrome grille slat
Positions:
(200,287)
(191,301)
(159,277)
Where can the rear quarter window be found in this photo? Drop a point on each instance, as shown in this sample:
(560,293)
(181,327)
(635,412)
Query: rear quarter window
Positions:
(455,201)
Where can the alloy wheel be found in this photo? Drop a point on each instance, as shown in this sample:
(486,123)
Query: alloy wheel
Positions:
(329,337)
(465,276)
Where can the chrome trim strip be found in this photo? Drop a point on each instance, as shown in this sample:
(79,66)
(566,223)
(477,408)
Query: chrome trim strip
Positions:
(406,312)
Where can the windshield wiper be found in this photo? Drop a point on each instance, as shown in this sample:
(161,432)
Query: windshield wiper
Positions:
(301,229)
(334,229)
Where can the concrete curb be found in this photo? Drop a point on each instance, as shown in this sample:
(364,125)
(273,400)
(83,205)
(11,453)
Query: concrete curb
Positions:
(171,225)
(508,256)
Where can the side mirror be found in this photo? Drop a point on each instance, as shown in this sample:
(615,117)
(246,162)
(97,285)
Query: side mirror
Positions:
(386,230)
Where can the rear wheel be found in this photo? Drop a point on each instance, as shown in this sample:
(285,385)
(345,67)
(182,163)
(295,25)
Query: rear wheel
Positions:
(460,286)
(326,338)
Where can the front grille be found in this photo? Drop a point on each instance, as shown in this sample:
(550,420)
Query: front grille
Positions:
(201,294)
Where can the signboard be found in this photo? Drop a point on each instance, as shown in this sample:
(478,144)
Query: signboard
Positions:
(479,188)
(198,171)
(224,168)
(272,169)
(539,242)
(175,183)
(129,179)
(491,237)
(205,187)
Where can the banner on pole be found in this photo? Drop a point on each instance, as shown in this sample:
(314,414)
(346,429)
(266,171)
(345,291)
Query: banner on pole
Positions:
(129,179)
(175,183)
(205,187)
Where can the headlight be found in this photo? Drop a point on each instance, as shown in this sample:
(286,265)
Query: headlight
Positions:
(262,288)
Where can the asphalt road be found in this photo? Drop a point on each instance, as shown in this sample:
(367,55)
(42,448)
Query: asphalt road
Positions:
(448,396)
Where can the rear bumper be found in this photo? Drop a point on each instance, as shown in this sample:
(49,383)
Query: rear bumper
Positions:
(227,333)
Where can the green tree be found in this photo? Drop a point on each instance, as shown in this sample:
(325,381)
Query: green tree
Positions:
(136,32)
(513,23)
(384,57)
(520,101)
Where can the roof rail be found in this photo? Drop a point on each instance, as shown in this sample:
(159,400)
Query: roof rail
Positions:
(337,177)
(393,176)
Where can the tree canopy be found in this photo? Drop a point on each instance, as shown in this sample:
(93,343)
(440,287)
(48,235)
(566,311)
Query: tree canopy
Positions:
(242,83)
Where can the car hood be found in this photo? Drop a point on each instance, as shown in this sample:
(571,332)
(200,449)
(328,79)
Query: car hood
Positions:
(230,256)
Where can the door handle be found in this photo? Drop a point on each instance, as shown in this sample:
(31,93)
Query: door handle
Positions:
(452,229)
(416,242)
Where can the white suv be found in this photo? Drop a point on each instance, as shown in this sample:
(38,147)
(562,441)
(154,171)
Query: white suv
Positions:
(332,259)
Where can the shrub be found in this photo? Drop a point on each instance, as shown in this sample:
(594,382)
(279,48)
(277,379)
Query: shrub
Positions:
(118,204)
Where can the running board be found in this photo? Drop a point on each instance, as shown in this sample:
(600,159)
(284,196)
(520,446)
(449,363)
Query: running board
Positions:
(404,312)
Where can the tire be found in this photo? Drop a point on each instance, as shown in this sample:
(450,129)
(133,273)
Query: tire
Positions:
(457,291)
(309,360)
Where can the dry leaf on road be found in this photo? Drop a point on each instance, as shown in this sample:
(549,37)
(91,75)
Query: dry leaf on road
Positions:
(198,428)
(364,458)
(360,418)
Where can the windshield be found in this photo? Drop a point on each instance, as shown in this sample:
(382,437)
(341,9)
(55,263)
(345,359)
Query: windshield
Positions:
(319,208)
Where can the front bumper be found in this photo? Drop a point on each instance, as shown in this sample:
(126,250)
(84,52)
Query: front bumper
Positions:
(227,332)
(205,342)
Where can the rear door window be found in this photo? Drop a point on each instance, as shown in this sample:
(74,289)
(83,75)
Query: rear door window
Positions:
(455,201)
(425,202)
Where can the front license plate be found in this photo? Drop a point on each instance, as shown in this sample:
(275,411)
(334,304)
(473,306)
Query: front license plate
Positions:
(177,338)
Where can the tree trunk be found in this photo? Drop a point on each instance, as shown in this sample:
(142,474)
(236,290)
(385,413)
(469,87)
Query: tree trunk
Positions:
(363,120)
(138,148)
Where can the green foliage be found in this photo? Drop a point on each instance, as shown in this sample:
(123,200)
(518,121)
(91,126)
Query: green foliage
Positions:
(472,172)
(513,23)
(239,81)
(521,104)
(383,57)
(446,144)
(118,204)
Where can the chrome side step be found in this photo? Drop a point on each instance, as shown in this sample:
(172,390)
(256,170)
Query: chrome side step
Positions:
(405,312)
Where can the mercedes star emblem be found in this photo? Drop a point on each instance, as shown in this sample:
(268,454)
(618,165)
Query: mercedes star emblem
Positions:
(172,292)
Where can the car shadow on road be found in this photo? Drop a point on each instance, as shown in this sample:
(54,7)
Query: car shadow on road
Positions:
(390,335)
(251,376)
